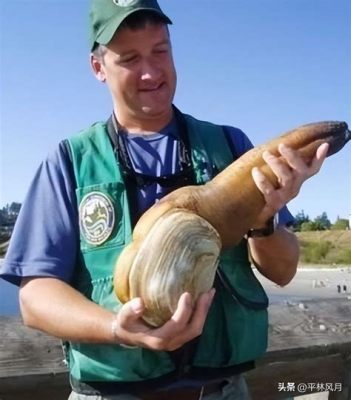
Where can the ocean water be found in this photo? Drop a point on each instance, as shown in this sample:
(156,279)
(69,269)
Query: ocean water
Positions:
(8,299)
(9,305)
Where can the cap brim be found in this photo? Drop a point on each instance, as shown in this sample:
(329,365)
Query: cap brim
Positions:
(107,34)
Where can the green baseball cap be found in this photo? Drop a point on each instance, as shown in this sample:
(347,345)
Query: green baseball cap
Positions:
(107,15)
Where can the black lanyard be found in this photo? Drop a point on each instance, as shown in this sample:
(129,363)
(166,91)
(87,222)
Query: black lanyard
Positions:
(185,175)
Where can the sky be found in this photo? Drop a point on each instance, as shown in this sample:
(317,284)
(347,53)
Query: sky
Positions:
(264,66)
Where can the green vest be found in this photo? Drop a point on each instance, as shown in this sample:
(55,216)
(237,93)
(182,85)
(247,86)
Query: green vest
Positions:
(236,327)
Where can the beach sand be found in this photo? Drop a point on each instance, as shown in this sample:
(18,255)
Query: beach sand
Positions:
(311,282)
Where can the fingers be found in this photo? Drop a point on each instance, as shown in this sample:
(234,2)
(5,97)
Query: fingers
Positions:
(282,168)
(186,323)
(183,316)
(130,312)
(184,310)
(261,181)
(163,336)
(195,326)
(201,310)
(292,158)
(322,151)
(289,169)
(298,165)
(318,160)
(128,327)
(129,320)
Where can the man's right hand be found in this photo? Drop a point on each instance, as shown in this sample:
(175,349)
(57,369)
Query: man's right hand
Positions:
(186,323)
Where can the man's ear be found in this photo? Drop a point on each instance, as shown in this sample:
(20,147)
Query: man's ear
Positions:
(98,67)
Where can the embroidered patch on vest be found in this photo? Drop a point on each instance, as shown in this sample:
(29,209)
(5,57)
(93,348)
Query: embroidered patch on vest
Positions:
(123,3)
(96,217)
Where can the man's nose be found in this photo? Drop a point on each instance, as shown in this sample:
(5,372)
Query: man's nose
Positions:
(149,71)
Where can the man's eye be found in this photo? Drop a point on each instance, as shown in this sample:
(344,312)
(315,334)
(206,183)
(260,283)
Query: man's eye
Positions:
(161,51)
(128,60)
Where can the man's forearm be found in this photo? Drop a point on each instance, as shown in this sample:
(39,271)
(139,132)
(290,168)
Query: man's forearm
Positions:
(276,256)
(54,307)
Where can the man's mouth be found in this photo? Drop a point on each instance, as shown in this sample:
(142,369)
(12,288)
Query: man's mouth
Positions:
(153,88)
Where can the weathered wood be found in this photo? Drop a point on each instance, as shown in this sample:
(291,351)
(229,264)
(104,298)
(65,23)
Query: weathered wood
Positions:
(31,364)
(45,386)
(265,380)
(25,351)
(307,344)
(313,323)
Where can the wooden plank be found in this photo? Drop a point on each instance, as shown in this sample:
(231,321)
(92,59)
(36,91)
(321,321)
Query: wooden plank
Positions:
(264,381)
(25,351)
(318,323)
(35,387)
(344,395)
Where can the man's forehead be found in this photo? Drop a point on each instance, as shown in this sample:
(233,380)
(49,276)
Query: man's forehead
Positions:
(153,34)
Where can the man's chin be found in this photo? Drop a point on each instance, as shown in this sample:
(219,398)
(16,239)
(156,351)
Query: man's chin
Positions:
(154,112)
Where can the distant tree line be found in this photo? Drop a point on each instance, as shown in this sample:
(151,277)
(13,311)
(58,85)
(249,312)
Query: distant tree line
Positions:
(9,214)
(321,223)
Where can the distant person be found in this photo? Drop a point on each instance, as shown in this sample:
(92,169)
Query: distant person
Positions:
(87,196)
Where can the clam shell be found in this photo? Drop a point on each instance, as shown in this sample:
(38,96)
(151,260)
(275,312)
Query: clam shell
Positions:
(179,254)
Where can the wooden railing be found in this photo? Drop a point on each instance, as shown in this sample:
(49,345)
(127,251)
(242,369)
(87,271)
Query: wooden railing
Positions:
(309,347)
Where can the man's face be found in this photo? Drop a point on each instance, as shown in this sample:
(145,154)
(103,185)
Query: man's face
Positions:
(139,71)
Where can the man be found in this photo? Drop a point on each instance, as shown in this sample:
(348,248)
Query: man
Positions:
(87,196)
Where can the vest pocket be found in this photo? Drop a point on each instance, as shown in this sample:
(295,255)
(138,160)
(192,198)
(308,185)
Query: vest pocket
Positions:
(102,215)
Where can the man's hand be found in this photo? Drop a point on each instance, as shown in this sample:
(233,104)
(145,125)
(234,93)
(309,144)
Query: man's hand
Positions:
(291,172)
(186,323)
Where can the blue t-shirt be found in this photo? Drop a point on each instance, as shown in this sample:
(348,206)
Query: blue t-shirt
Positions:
(45,241)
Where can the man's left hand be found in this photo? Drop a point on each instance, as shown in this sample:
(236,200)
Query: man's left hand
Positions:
(291,171)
